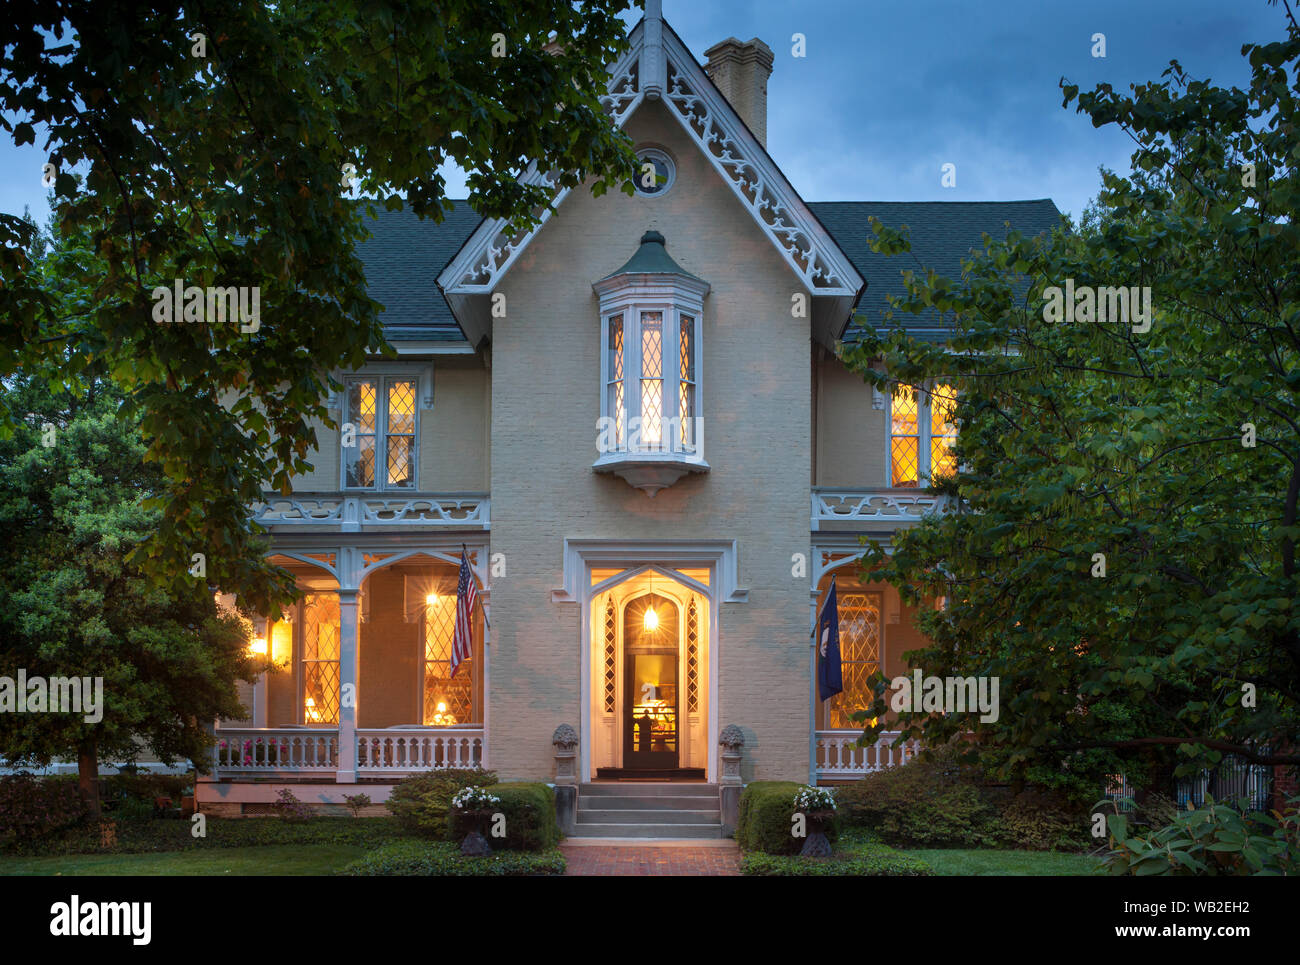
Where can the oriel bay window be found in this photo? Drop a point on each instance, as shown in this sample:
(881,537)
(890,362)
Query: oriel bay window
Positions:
(650,430)
(922,435)
(378,434)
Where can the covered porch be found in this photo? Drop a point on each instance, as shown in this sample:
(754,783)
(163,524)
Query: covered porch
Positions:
(359,686)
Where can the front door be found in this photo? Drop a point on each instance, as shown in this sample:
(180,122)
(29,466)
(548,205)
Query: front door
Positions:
(650,692)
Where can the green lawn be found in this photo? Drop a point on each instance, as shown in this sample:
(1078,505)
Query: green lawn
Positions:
(283,859)
(985,862)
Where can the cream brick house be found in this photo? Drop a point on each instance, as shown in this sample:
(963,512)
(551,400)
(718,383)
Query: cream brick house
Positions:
(633,420)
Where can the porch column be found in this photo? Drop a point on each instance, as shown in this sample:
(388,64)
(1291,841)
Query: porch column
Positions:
(812,683)
(259,686)
(348,650)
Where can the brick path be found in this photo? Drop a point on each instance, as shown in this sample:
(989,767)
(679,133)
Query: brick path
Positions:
(639,860)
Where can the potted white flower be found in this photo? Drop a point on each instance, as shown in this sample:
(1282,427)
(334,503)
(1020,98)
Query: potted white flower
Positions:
(817,805)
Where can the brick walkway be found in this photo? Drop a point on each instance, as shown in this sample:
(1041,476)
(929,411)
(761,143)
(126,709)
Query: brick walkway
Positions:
(639,860)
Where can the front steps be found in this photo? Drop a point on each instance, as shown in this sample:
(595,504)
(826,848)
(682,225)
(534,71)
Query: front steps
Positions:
(646,810)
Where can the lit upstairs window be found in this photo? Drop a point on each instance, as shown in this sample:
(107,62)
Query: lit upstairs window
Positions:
(922,435)
(378,433)
(651,431)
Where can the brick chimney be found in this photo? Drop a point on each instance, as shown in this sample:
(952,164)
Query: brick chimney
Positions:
(740,71)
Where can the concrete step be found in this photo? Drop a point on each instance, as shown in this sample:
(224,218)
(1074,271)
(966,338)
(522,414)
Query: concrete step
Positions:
(647,802)
(646,789)
(654,816)
(650,831)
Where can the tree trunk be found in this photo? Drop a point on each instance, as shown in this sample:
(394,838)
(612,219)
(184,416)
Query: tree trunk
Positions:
(88,777)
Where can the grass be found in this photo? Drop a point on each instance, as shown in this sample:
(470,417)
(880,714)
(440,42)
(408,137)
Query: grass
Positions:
(284,859)
(975,862)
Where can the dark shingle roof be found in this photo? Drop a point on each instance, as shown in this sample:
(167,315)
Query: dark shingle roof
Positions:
(403,258)
(405,255)
(942,234)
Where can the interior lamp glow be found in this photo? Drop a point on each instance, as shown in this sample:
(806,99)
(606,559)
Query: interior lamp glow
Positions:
(258,645)
(442,707)
(651,621)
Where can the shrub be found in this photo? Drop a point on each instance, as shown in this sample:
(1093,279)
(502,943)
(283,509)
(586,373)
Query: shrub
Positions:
(422,858)
(33,808)
(1041,821)
(139,837)
(1215,839)
(421,803)
(356,802)
(288,807)
(927,802)
(867,860)
(531,822)
(764,822)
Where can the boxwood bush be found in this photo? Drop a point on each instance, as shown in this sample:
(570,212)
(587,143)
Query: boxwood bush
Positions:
(419,857)
(421,803)
(33,808)
(531,822)
(764,822)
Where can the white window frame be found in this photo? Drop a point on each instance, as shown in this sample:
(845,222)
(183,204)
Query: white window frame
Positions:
(924,436)
(673,299)
(382,379)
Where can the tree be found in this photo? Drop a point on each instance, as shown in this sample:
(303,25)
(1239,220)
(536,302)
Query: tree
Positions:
(73,482)
(209,143)
(1125,558)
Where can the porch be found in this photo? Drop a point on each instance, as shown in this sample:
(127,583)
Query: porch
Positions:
(274,753)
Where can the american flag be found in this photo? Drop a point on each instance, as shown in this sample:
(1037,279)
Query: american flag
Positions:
(462,640)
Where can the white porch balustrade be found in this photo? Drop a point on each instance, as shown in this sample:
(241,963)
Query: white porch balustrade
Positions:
(263,750)
(839,756)
(302,752)
(402,751)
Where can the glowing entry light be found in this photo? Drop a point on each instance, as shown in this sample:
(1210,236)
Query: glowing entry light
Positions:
(431,599)
(258,645)
(651,621)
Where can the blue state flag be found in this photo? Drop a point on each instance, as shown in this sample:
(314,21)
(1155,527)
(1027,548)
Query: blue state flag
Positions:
(830,677)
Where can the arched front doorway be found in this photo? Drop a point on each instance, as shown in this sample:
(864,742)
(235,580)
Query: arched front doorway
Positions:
(649,659)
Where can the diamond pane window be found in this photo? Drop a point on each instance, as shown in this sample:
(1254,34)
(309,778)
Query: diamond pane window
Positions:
(859,615)
(904,439)
(943,434)
(652,383)
(614,388)
(320,659)
(611,642)
(686,382)
(383,413)
(650,429)
(448,700)
(692,657)
(922,435)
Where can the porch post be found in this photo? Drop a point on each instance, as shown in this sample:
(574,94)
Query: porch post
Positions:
(259,686)
(347,769)
(812,685)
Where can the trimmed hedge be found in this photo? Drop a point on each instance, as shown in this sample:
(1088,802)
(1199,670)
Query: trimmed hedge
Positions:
(421,803)
(151,835)
(34,808)
(531,822)
(864,859)
(423,858)
(764,822)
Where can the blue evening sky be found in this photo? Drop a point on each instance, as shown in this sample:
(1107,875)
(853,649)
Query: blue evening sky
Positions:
(889,91)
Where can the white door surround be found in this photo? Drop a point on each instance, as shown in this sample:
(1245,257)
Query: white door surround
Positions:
(637,559)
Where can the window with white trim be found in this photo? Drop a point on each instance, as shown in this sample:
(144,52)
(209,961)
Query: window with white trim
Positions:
(922,435)
(378,433)
(650,375)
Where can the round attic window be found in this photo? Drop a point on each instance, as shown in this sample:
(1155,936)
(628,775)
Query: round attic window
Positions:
(656,173)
